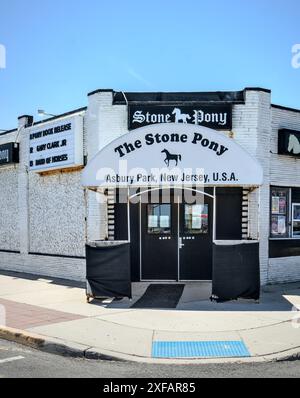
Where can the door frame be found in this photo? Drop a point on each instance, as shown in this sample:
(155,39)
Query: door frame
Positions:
(213,197)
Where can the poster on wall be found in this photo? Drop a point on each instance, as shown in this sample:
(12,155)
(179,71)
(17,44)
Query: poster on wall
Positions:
(56,145)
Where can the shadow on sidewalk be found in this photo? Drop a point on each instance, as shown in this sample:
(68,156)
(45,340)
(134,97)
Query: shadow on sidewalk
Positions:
(274,298)
(49,279)
(195,297)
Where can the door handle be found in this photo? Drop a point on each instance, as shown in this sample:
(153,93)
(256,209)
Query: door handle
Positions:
(181,244)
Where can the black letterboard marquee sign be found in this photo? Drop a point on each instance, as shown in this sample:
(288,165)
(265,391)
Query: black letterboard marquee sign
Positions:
(217,117)
(289,142)
(57,145)
(9,153)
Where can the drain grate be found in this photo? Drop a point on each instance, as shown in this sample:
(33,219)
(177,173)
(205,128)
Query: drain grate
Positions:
(199,349)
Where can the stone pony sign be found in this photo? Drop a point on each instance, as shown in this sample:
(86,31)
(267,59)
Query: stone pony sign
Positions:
(172,155)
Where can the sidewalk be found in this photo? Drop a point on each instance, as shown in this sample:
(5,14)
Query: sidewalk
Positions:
(47,314)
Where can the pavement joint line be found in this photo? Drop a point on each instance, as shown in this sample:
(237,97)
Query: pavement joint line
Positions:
(185,331)
(123,325)
(109,315)
(152,338)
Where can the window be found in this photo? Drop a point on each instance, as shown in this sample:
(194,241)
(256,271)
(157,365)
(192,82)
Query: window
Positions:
(279,213)
(159,219)
(285,213)
(296,220)
(196,219)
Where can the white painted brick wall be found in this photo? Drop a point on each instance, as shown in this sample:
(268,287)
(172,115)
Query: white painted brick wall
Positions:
(252,130)
(284,171)
(65,268)
(105,123)
(9,203)
(9,209)
(43,214)
(284,270)
(56,214)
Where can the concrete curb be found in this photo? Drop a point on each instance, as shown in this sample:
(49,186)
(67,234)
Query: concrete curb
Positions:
(75,350)
(41,343)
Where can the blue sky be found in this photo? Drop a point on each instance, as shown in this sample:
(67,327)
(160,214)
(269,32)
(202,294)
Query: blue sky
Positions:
(59,50)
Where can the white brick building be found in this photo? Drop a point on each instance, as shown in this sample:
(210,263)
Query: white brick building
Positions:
(46,218)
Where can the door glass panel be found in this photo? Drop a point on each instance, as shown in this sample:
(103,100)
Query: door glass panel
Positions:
(159,219)
(296,229)
(196,219)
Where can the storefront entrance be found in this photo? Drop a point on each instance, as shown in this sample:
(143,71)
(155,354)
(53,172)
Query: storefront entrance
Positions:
(176,239)
(173,240)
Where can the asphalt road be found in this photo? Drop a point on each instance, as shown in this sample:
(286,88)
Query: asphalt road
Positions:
(21,362)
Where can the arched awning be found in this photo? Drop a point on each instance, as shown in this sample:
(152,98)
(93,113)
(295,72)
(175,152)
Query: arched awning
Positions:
(169,155)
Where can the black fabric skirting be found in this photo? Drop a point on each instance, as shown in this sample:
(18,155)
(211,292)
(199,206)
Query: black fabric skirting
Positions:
(236,272)
(108,271)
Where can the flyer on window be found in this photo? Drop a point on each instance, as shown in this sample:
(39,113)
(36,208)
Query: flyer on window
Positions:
(278,225)
(275,205)
(281,225)
(282,206)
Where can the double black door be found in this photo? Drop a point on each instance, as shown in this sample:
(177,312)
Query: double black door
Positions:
(176,239)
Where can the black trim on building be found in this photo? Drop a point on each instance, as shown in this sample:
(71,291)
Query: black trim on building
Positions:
(264,90)
(279,248)
(237,97)
(29,120)
(229,213)
(179,98)
(22,117)
(284,108)
(60,116)
(56,255)
(10,251)
(8,132)
(101,90)
(295,195)
(70,113)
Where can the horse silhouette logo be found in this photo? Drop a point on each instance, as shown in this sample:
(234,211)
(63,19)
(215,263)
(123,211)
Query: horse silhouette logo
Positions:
(170,157)
(181,117)
(294,145)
